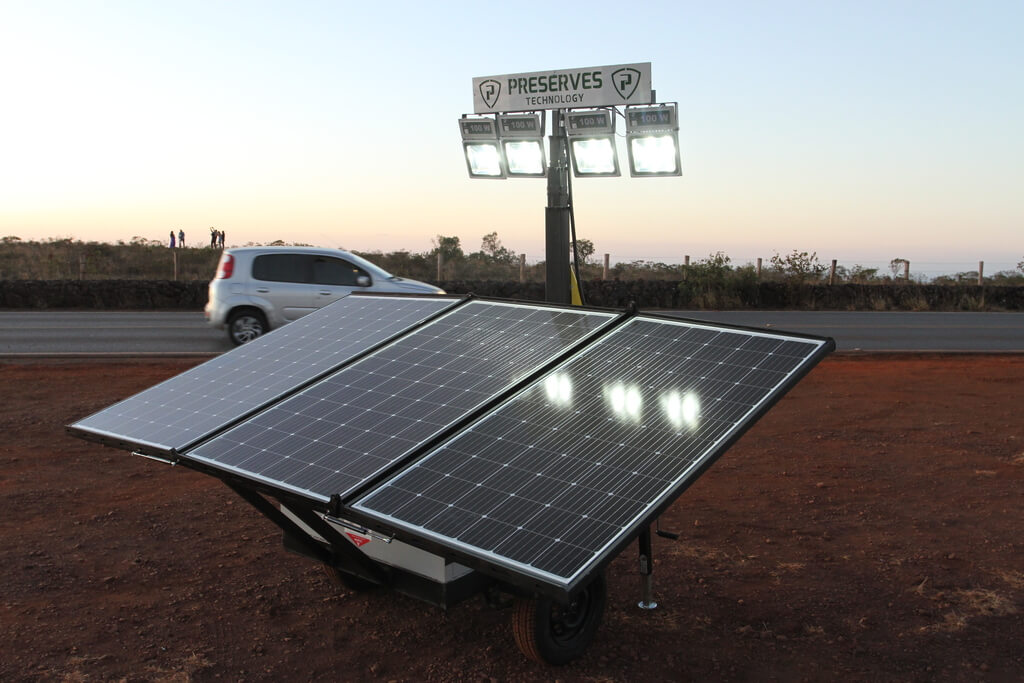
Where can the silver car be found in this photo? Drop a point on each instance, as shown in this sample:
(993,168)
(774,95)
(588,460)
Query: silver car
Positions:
(257,289)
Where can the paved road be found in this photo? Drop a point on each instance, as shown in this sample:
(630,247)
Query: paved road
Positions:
(107,332)
(162,333)
(888,331)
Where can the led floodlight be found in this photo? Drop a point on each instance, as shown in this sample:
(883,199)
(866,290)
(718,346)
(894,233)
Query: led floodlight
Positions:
(652,140)
(481,147)
(592,142)
(522,143)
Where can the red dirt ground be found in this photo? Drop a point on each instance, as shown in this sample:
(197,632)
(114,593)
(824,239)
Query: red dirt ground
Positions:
(868,528)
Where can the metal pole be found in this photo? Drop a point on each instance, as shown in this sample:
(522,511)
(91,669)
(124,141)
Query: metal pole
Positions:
(556,218)
(646,569)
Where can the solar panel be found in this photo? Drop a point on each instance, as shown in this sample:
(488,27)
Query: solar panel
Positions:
(189,406)
(558,476)
(337,433)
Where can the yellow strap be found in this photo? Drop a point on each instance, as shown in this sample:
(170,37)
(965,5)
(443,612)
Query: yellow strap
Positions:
(577,300)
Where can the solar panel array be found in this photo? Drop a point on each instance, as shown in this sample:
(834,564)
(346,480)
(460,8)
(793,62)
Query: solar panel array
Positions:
(351,425)
(181,410)
(551,480)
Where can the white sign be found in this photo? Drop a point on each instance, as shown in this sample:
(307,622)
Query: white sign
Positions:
(596,86)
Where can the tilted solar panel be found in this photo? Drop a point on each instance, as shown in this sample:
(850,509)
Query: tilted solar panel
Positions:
(557,477)
(189,406)
(337,433)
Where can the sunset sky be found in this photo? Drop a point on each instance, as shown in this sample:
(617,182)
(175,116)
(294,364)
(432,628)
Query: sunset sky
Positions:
(863,131)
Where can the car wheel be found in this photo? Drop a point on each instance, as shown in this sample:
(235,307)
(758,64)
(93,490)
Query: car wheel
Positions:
(245,325)
(551,633)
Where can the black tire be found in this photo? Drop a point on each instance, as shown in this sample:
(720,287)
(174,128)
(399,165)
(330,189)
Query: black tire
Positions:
(246,324)
(552,633)
(344,580)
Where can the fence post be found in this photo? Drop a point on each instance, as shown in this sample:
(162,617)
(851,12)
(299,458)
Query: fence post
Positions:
(522,268)
(440,263)
(832,273)
(686,266)
(981,272)
(81,266)
(758,267)
(174,252)
(604,275)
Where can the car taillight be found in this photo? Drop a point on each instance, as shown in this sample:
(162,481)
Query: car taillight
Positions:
(227,267)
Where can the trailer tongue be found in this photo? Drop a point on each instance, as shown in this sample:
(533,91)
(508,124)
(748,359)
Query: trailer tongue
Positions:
(443,447)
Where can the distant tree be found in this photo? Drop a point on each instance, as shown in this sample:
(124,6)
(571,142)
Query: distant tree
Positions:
(861,275)
(897,266)
(799,266)
(450,248)
(10,239)
(1020,265)
(584,249)
(493,251)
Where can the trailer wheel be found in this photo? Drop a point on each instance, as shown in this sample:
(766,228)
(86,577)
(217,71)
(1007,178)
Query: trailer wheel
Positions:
(345,580)
(552,633)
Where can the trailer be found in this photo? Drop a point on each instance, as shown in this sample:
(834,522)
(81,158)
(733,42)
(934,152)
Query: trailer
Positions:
(446,446)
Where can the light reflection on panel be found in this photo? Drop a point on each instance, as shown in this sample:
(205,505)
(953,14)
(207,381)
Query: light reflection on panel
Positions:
(555,476)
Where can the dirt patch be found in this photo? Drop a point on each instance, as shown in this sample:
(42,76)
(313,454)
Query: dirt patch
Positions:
(868,528)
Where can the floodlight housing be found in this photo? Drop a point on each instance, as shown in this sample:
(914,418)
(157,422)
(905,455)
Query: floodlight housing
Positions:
(481,147)
(591,136)
(522,144)
(652,140)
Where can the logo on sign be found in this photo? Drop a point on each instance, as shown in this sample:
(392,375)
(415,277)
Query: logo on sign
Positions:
(358,540)
(489,90)
(625,82)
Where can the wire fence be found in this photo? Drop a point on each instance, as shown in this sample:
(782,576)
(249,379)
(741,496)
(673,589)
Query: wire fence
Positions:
(72,260)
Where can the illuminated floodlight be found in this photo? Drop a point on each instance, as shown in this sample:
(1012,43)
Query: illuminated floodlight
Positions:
(481,147)
(484,160)
(652,140)
(594,156)
(592,142)
(522,143)
(525,158)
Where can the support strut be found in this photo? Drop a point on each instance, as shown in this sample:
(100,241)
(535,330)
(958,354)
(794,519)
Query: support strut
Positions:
(646,570)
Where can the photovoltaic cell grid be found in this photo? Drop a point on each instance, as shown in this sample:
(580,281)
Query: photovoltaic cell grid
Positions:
(553,478)
(332,436)
(179,411)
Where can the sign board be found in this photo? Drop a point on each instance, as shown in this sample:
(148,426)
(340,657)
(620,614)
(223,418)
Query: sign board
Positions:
(596,86)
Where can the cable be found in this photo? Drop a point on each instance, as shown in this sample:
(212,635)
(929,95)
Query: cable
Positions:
(572,226)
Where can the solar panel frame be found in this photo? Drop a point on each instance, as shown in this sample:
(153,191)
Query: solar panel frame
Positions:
(600,320)
(526,575)
(248,356)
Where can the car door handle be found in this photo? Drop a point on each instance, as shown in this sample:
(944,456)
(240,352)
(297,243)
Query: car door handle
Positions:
(262,290)
(324,292)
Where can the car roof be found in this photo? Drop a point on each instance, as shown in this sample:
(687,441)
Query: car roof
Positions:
(326,251)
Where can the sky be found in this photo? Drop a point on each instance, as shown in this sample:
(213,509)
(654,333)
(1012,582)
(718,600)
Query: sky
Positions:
(861,131)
